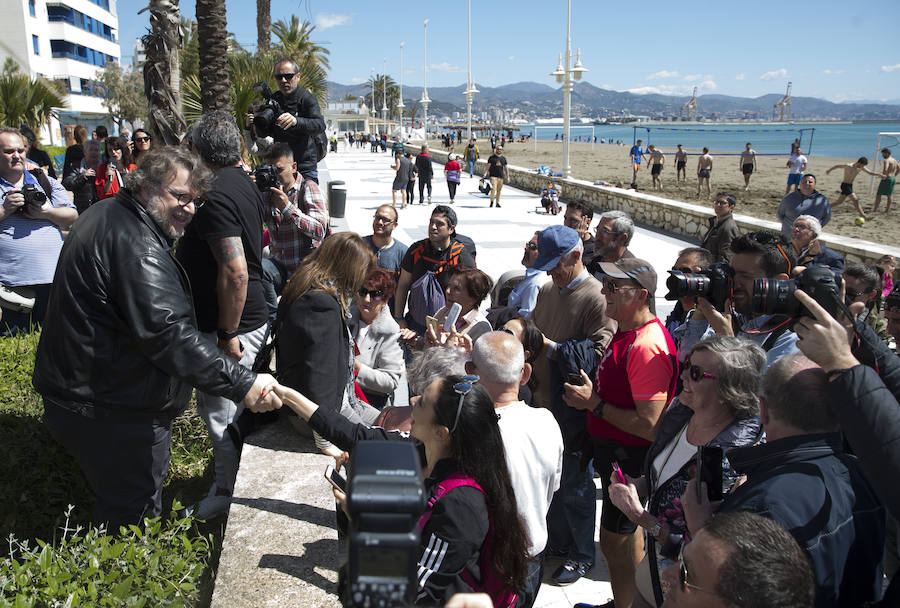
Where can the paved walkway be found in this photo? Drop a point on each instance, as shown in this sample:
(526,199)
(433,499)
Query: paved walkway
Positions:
(500,235)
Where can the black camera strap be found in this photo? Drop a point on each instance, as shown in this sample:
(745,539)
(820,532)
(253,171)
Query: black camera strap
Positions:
(43,180)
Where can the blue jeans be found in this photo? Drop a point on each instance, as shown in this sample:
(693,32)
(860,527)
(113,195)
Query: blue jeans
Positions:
(471,164)
(573,511)
(275,277)
(532,582)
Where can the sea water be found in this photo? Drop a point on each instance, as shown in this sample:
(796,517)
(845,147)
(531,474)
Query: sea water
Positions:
(846,140)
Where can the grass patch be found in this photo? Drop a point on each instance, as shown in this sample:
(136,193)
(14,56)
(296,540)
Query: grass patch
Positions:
(41,481)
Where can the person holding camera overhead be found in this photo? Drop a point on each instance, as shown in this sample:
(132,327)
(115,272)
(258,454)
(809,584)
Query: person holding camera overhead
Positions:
(109,174)
(296,215)
(717,409)
(300,120)
(456,425)
(35,209)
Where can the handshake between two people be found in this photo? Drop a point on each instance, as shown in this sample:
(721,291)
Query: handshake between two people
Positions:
(267,394)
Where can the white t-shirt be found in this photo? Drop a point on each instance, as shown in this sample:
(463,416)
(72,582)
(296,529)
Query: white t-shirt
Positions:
(668,462)
(797,163)
(534,451)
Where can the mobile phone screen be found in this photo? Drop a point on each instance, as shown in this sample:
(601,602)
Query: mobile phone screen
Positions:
(709,470)
(336,479)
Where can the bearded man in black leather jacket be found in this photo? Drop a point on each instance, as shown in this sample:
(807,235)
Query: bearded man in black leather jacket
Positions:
(120,350)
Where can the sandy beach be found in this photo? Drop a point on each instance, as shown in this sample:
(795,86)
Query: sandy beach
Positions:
(610,162)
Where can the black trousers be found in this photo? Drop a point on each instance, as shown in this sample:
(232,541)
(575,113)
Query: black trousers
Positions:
(423,182)
(125,462)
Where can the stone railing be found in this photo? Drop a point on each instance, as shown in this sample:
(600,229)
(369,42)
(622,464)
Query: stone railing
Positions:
(686,220)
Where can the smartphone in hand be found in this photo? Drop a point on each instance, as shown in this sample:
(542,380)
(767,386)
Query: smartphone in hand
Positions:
(620,477)
(335,478)
(575,379)
(709,471)
(452,316)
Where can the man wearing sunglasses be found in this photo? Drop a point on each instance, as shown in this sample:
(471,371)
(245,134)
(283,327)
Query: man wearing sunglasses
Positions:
(301,122)
(624,402)
(524,296)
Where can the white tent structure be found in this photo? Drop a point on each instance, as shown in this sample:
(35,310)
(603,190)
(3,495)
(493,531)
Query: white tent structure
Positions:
(895,135)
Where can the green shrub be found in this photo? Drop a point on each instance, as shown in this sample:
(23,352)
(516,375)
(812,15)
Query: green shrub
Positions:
(159,565)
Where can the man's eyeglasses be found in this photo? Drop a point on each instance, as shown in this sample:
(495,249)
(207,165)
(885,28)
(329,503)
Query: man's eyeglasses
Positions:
(606,232)
(695,372)
(383,220)
(462,389)
(721,201)
(375,294)
(289,76)
(186,198)
(851,295)
(610,286)
(531,246)
(142,139)
(683,574)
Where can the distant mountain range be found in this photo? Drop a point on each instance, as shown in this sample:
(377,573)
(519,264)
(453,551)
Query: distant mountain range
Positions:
(539,100)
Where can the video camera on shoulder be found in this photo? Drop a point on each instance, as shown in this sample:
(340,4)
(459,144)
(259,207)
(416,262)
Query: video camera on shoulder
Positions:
(776,296)
(264,118)
(714,283)
(386,497)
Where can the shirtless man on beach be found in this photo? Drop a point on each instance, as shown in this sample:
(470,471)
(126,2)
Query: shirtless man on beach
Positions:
(680,164)
(850,173)
(889,170)
(748,165)
(636,153)
(655,161)
(704,168)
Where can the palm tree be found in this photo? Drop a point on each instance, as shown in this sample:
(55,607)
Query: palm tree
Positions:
(263,25)
(385,88)
(27,100)
(162,73)
(294,42)
(215,85)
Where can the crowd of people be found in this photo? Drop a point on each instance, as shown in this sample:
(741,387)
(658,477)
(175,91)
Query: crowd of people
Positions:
(717,434)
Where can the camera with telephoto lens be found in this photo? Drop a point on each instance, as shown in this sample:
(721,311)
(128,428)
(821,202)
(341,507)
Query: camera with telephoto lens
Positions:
(776,296)
(34,196)
(385,500)
(714,283)
(264,118)
(266,177)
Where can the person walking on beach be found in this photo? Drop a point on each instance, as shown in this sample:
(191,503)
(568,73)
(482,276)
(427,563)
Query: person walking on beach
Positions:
(748,165)
(451,174)
(850,173)
(680,165)
(704,169)
(496,169)
(797,165)
(889,170)
(425,172)
(655,161)
(403,168)
(471,155)
(636,153)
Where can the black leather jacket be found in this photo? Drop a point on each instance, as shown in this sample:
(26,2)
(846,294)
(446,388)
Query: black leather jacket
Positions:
(301,137)
(120,339)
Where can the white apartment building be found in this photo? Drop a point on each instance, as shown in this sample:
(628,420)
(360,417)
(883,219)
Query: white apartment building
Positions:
(65,40)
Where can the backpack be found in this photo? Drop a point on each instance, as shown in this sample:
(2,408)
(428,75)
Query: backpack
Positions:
(501,596)
(321,141)
(426,297)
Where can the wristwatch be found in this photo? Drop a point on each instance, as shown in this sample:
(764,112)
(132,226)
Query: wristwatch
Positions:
(227,335)
(654,531)
(598,411)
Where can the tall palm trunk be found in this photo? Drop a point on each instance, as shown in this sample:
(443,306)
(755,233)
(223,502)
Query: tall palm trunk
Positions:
(263,25)
(162,75)
(212,33)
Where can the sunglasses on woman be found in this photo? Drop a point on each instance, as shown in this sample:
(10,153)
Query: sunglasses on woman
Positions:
(462,389)
(375,294)
(695,372)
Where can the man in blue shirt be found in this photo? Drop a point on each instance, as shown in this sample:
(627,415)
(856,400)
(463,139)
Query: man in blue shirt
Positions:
(637,152)
(31,235)
(524,296)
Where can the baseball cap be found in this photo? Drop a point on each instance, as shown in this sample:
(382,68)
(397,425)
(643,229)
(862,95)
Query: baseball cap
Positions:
(636,269)
(553,243)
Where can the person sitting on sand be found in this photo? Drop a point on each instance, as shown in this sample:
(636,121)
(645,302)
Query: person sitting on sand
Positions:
(889,170)
(747,165)
(680,164)
(655,161)
(704,169)
(850,173)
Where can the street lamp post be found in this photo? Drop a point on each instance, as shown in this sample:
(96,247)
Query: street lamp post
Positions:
(470,86)
(400,105)
(425,101)
(564,75)
(374,126)
(384,94)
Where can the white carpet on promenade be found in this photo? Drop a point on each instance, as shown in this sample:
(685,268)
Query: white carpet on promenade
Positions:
(499,235)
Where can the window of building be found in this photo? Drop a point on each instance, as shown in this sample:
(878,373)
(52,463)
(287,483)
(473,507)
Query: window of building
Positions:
(66,14)
(31,9)
(35,44)
(70,50)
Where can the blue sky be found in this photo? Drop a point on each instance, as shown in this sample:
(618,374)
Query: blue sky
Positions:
(835,50)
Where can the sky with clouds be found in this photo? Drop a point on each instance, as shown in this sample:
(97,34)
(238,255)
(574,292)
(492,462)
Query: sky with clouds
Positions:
(835,50)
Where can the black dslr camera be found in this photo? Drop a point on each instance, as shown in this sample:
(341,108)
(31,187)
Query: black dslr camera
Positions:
(776,296)
(715,283)
(385,500)
(266,177)
(34,196)
(264,118)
